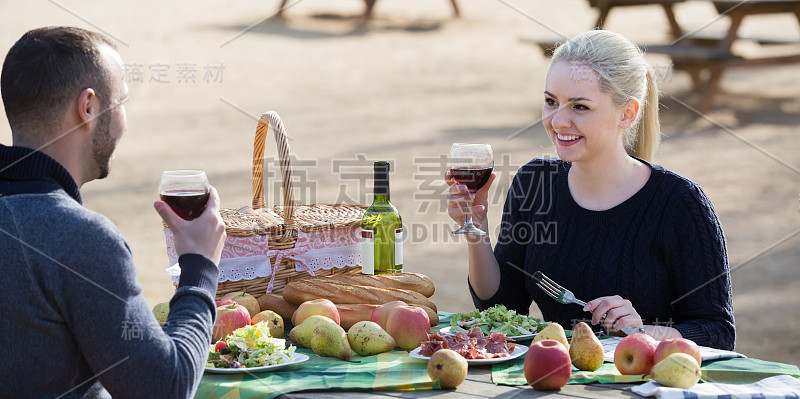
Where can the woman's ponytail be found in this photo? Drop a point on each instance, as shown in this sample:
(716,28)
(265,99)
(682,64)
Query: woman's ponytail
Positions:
(648,135)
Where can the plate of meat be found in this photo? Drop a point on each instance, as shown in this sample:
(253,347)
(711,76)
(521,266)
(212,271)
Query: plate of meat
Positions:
(478,349)
(447,330)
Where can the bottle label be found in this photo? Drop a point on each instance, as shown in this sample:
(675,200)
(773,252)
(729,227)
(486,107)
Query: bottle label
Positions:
(367,252)
(398,247)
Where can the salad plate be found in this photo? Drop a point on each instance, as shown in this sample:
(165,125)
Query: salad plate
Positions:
(448,330)
(518,351)
(298,358)
(252,347)
(497,319)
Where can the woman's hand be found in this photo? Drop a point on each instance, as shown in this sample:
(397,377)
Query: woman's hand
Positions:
(459,198)
(619,313)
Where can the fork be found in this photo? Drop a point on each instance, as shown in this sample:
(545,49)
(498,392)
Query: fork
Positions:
(555,291)
(565,296)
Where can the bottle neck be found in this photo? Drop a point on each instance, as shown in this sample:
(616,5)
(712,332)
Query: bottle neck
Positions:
(381,182)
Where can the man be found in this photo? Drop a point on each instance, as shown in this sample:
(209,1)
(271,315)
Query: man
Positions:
(73,319)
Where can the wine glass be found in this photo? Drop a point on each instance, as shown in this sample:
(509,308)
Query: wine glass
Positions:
(186,192)
(470,165)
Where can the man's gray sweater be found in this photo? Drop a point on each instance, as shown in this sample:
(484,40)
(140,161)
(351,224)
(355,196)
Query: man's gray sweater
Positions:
(73,321)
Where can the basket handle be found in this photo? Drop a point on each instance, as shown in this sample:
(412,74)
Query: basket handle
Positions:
(268,119)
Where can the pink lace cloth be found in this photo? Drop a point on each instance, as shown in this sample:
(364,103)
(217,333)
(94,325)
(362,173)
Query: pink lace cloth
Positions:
(246,258)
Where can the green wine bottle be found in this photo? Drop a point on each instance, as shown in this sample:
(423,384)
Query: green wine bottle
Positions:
(381,229)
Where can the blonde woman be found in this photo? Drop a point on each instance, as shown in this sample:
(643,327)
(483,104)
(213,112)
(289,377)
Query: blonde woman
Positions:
(642,243)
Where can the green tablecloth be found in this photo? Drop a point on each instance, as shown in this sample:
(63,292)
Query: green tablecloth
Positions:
(737,371)
(397,371)
(388,371)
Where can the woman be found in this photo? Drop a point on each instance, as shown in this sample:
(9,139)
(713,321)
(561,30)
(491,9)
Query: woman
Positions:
(643,243)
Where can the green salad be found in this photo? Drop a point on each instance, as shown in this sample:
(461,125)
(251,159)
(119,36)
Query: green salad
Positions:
(497,319)
(249,346)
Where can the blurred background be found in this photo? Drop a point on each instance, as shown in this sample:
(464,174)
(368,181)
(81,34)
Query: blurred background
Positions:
(403,87)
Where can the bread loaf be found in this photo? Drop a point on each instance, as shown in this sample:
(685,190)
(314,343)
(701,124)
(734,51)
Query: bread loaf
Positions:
(353,313)
(300,291)
(406,281)
(277,304)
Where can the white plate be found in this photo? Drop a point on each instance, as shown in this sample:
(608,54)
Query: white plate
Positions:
(298,358)
(518,351)
(446,330)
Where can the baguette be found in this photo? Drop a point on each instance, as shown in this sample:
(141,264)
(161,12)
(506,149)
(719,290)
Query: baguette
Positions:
(277,304)
(300,291)
(406,281)
(354,312)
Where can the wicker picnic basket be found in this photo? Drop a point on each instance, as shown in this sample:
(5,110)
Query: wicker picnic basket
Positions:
(279,227)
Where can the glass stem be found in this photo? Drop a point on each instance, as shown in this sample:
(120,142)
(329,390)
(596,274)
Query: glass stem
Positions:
(468,220)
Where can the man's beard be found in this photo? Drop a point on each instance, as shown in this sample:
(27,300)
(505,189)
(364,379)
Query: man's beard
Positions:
(103,145)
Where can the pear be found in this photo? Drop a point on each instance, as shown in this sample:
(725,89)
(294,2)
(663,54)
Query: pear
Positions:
(330,340)
(553,331)
(678,370)
(161,310)
(585,351)
(273,320)
(302,334)
(449,367)
(367,338)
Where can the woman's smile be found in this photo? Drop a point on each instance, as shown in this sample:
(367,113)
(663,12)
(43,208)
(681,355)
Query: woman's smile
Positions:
(566,139)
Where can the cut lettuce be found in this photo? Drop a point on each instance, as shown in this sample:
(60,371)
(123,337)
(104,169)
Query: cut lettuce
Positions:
(497,319)
(252,346)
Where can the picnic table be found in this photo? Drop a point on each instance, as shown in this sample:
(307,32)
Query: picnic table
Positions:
(605,6)
(705,57)
(396,374)
(369,5)
(696,53)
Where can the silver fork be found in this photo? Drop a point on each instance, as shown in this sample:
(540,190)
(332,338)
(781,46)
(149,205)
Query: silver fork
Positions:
(555,291)
(565,296)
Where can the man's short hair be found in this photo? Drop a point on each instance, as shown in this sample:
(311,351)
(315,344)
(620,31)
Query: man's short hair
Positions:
(45,69)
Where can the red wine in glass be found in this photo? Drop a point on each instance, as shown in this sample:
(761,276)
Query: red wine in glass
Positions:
(473,178)
(470,165)
(188,204)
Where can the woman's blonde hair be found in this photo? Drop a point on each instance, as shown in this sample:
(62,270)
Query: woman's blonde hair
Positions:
(624,75)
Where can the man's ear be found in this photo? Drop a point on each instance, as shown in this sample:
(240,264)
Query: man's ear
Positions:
(629,112)
(88,106)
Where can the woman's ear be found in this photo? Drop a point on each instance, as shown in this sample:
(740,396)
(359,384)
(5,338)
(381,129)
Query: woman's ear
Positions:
(629,112)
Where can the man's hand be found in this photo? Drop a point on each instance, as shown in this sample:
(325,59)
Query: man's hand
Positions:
(204,235)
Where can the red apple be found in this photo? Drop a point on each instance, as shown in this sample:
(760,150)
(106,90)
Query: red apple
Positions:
(225,302)
(322,307)
(677,345)
(229,318)
(242,298)
(408,325)
(635,354)
(547,365)
(381,313)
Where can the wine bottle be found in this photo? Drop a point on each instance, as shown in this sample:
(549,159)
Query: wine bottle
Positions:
(381,229)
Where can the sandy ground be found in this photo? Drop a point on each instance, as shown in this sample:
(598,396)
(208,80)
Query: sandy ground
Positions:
(403,88)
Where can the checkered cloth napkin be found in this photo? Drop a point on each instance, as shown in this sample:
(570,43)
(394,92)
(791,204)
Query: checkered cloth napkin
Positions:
(610,345)
(778,387)
(392,371)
